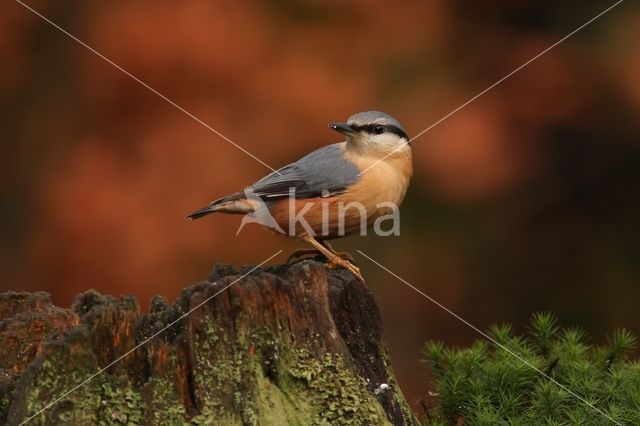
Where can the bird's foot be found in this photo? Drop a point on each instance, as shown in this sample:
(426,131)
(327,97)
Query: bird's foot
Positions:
(346,256)
(338,261)
(299,255)
(343,254)
(302,254)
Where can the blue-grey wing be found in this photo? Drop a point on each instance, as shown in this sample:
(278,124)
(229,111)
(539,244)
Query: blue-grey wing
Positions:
(324,169)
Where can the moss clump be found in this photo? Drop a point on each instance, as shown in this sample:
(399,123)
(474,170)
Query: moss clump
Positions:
(596,385)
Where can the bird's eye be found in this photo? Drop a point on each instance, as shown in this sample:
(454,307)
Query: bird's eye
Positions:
(378,130)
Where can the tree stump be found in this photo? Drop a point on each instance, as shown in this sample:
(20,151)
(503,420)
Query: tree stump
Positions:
(294,345)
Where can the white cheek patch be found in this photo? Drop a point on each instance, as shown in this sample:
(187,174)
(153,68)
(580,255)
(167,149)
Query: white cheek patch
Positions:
(379,145)
(387,142)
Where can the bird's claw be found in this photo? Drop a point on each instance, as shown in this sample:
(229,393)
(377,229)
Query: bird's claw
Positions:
(302,254)
(338,261)
(346,256)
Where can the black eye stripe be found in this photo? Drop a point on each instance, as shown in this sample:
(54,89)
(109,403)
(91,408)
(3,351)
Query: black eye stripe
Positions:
(370,128)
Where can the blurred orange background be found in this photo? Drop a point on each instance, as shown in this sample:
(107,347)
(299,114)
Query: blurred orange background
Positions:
(525,200)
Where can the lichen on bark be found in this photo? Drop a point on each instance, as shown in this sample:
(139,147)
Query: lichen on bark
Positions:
(295,345)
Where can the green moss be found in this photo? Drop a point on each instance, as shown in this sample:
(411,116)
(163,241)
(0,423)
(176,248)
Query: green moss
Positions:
(280,406)
(596,385)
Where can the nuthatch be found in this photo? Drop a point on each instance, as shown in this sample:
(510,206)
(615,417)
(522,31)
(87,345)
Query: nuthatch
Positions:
(313,198)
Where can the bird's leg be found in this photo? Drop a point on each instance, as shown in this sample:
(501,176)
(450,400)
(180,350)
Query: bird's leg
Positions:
(342,254)
(300,254)
(334,259)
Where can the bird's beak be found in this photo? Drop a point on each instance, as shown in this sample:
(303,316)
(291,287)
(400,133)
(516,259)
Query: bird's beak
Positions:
(343,128)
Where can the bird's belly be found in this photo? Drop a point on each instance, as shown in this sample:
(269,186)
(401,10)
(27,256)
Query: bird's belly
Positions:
(327,218)
(348,213)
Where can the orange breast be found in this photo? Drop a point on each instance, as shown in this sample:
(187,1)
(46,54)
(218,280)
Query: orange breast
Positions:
(353,210)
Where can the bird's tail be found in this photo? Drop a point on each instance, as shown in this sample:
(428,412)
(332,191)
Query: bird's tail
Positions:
(202,212)
(234,204)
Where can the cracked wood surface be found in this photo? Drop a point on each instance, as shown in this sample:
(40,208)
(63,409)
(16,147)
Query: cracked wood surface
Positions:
(292,345)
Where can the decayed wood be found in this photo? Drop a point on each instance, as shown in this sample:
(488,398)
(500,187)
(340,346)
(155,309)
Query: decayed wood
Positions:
(292,345)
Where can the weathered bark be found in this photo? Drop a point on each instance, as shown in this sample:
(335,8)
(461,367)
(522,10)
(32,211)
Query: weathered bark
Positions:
(285,345)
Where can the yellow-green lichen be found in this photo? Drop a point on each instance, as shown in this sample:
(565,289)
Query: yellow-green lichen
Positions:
(240,375)
(340,396)
(165,407)
(51,382)
(222,382)
(101,400)
(5,401)
(250,377)
(120,404)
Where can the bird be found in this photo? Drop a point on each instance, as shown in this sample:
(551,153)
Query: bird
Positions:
(333,191)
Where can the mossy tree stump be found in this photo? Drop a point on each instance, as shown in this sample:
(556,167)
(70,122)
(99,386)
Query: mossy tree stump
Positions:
(295,345)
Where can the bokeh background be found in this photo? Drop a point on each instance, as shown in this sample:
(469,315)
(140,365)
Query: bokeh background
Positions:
(525,200)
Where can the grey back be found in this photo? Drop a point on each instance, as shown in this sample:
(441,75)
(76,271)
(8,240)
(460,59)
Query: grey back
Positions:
(324,169)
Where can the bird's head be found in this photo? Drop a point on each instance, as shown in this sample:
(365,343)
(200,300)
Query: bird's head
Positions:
(373,132)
